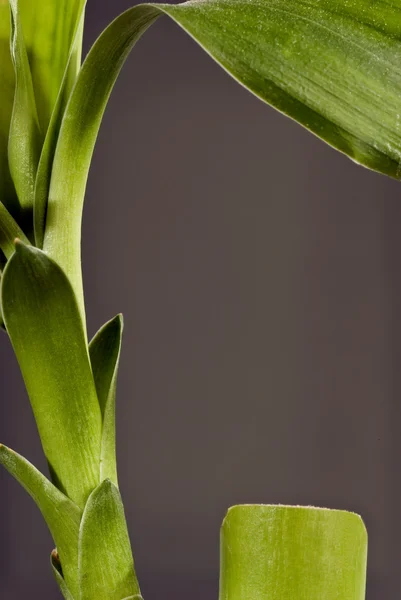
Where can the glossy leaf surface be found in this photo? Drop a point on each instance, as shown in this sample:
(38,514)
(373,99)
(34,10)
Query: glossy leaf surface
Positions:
(105,560)
(104,352)
(43,321)
(288,552)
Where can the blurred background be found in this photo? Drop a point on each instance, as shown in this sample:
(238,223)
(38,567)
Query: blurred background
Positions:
(259,273)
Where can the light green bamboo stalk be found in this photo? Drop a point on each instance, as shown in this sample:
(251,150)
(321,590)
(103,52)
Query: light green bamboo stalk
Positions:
(334,68)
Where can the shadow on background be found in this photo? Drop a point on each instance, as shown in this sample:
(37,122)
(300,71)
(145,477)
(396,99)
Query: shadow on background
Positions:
(259,274)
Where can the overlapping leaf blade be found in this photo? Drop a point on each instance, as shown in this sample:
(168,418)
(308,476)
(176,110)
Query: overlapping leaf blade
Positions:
(25,141)
(49,28)
(292,552)
(43,321)
(104,351)
(60,513)
(46,48)
(106,566)
(42,184)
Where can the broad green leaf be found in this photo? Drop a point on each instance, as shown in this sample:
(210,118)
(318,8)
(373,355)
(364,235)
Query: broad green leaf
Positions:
(61,514)
(334,67)
(104,352)
(9,231)
(292,552)
(42,318)
(42,184)
(106,567)
(7,86)
(58,575)
(25,139)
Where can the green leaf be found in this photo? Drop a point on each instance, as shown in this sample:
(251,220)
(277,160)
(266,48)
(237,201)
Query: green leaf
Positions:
(46,42)
(334,67)
(9,231)
(42,318)
(292,552)
(77,138)
(61,514)
(104,352)
(25,139)
(49,28)
(58,575)
(7,85)
(42,184)
(106,567)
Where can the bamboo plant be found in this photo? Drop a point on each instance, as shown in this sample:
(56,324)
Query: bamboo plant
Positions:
(333,66)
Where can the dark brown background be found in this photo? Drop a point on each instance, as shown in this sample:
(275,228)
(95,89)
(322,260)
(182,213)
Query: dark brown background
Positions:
(259,273)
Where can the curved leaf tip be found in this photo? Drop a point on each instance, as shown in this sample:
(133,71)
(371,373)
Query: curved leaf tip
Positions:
(106,566)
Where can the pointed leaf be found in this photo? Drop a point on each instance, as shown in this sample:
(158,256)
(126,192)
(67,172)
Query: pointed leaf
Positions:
(7,86)
(42,318)
(288,552)
(25,139)
(106,567)
(104,352)
(58,575)
(61,514)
